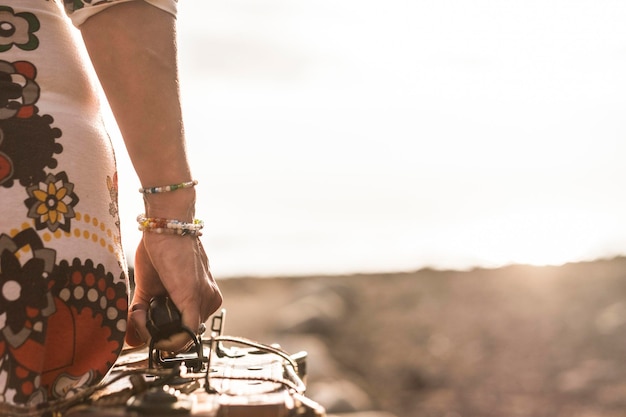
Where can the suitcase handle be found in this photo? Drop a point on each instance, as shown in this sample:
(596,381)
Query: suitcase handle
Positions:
(164,320)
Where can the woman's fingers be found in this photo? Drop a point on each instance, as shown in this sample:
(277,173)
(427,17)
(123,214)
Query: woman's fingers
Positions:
(137,334)
(147,285)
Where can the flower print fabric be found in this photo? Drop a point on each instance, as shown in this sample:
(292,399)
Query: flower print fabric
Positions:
(63,284)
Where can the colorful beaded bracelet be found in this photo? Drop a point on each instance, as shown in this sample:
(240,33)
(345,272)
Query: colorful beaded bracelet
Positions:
(168,188)
(177,227)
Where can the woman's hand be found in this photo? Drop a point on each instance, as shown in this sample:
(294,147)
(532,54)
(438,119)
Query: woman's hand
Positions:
(176,266)
(171,265)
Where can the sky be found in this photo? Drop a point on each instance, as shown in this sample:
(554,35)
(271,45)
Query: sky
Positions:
(367,136)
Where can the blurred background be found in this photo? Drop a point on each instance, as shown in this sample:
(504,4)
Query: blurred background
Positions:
(344,142)
(355,136)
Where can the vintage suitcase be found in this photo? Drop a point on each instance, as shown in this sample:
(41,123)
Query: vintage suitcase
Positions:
(223,376)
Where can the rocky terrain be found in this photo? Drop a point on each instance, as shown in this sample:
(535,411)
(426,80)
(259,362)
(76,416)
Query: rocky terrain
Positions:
(515,341)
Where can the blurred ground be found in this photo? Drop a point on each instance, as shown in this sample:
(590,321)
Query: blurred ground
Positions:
(515,341)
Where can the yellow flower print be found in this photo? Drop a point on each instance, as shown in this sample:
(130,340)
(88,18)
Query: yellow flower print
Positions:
(51,203)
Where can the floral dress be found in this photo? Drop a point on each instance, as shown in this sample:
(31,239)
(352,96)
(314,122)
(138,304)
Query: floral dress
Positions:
(63,283)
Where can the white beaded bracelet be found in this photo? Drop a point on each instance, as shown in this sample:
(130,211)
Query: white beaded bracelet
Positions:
(177,227)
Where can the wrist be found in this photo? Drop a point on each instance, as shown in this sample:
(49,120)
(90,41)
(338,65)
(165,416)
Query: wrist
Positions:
(178,205)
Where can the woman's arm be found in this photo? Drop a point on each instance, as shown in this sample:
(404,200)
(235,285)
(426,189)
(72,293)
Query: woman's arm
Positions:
(133,49)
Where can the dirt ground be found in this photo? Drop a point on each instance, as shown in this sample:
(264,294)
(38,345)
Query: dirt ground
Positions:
(508,342)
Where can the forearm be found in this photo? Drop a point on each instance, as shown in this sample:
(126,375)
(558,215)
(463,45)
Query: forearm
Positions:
(133,49)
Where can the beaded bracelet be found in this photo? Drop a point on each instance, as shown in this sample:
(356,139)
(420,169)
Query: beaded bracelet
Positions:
(177,227)
(168,188)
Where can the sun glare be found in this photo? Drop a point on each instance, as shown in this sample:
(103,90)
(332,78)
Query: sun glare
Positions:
(537,237)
